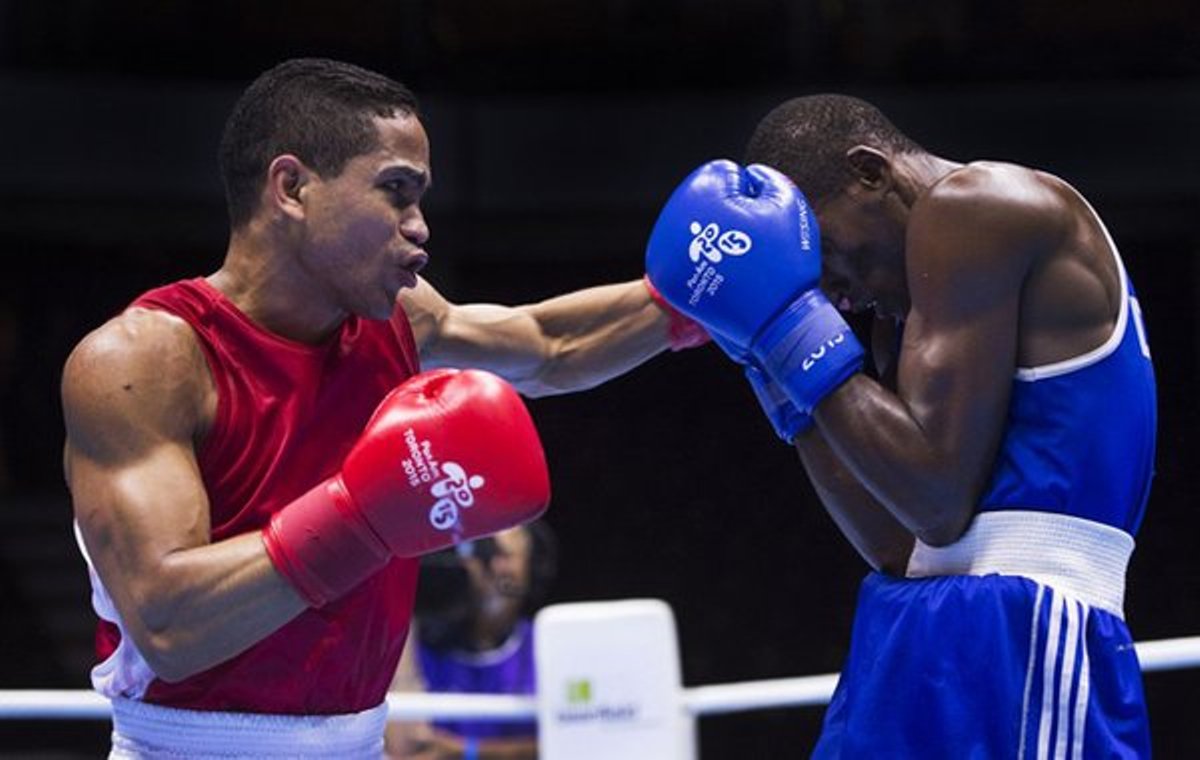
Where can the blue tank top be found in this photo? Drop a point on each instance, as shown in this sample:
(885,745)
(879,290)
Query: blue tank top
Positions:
(508,669)
(1080,434)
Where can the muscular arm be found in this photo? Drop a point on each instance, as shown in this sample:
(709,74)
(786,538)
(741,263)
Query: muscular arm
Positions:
(873,531)
(134,403)
(877,536)
(568,343)
(924,452)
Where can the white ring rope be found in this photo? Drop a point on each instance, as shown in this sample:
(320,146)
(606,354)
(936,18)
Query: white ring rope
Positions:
(760,695)
(419,706)
(29,704)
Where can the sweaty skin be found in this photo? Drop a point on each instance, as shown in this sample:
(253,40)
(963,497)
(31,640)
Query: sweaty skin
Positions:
(991,266)
(139,400)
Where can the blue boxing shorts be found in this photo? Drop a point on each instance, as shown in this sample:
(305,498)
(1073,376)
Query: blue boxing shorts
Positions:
(994,664)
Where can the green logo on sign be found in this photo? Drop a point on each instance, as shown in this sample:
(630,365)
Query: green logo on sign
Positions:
(579,692)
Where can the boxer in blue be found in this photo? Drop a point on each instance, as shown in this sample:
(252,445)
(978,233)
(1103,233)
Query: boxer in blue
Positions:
(997,488)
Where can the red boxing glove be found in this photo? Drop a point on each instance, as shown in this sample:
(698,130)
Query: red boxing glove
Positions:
(683,331)
(448,455)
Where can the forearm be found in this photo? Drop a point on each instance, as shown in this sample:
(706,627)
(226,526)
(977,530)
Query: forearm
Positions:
(568,343)
(877,535)
(594,335)
(882,444)
(204,605)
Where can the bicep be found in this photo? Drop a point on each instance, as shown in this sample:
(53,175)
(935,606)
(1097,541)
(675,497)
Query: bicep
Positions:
(955,371)
(970,244)
(135,484)
(135,513)
(506,340)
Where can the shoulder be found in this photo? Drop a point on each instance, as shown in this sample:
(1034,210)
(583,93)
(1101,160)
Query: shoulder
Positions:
(991,201)
(427,312)
(142,373)
(987,218)
(143,341)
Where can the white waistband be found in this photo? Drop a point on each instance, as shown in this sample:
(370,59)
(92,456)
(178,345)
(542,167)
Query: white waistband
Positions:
(142,730)
(1080,558)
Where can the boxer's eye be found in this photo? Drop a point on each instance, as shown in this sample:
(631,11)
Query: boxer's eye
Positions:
(406,187)
(402,192)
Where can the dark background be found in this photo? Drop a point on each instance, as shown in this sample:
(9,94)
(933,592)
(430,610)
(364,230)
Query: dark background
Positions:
(558,127)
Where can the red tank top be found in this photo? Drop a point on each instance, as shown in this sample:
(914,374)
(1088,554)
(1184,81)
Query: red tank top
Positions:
(287,414)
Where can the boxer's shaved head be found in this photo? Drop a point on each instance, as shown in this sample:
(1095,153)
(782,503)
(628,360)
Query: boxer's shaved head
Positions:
(807,139)
(320,111)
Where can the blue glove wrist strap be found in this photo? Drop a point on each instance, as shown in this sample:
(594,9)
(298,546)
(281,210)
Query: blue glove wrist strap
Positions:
(787,420)
(809,350)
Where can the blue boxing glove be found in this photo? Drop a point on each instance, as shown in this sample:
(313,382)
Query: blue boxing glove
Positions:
(737,249)
(787,420)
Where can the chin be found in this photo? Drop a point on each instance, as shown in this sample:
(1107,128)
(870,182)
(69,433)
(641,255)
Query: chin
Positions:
(385,307)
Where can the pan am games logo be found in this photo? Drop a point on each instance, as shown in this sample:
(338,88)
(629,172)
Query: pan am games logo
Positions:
(449,484)
(455,490)
(708,241)
(708,247)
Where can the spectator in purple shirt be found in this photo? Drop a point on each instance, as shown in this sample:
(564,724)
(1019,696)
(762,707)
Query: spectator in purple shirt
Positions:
(473,635)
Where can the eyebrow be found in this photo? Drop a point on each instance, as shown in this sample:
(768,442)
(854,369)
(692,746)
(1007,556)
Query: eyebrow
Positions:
(421,179)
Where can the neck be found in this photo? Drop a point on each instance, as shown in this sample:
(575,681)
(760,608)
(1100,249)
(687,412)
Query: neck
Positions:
(920,171)
(490,631)
(261,277)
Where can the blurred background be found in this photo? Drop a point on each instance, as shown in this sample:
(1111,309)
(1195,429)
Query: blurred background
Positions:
(558,128)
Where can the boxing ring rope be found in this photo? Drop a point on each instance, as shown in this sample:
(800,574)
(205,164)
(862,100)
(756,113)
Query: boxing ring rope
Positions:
(64,704)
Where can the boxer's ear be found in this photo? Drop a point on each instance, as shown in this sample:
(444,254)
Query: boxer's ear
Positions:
(286,178)
(869,166)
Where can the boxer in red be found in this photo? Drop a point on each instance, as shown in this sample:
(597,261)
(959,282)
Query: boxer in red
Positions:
(255,457)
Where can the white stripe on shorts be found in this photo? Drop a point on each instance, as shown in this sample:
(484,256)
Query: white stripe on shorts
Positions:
(1060,719)
(1081,698)
(1046,716)
(1033,637)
